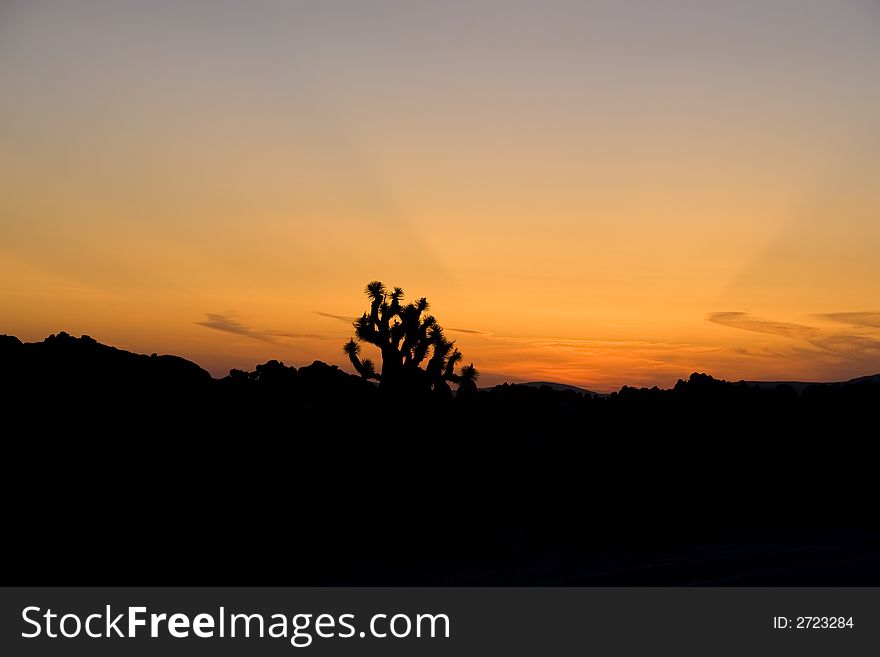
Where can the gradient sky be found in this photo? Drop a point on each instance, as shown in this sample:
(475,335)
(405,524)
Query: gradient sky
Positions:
(599,193)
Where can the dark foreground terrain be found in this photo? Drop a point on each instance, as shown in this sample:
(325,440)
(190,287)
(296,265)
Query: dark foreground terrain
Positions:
(121,468)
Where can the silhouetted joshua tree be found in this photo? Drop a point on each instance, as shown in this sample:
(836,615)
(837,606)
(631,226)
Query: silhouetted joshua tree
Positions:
(406,337)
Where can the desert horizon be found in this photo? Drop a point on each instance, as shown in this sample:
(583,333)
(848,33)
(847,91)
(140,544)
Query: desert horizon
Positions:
(495,380)
(597,194)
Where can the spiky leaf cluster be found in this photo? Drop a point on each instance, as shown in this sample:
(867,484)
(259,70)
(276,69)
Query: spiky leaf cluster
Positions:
(412,344)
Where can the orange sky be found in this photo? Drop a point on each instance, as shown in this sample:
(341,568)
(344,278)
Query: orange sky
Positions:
(596,193)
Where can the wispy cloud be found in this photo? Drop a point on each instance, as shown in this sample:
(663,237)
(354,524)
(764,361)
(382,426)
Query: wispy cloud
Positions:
(342,318)
(799,351)
(597,364)
(848,344)
(228,324)
(749,322)
(870,319)
(473,331)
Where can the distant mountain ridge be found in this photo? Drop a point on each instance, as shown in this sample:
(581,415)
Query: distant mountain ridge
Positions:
(871,378)
(558,386)
(800,386)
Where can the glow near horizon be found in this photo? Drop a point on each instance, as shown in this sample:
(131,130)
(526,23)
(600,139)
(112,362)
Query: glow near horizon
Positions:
(599,193)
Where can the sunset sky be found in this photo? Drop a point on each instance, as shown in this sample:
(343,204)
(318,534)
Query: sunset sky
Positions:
(596,193)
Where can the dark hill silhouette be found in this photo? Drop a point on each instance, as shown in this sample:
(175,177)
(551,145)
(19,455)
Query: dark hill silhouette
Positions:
(872,378)
(65,360)
(559,386)
(140,468)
